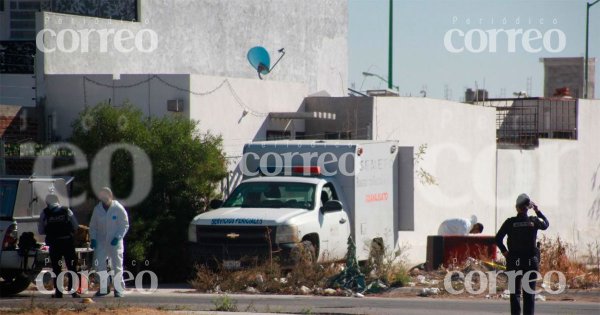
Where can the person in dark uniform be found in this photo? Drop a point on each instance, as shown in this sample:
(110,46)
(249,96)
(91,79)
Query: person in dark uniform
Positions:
(59,225)
(522,254)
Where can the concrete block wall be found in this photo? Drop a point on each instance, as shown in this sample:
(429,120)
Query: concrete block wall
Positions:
(568,72)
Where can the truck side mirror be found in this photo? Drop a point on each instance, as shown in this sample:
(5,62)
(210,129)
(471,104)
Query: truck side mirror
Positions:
(332,206)
(215,204)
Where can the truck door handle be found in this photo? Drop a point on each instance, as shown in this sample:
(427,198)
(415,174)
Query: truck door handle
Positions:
(342,221)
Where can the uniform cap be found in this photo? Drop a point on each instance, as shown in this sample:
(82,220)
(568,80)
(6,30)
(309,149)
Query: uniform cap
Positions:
(522,200)
(51,199)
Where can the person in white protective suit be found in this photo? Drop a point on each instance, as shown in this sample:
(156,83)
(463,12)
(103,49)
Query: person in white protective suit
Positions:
(108,227)
(460,226)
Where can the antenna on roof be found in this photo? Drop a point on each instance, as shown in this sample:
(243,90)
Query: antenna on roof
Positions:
(261,61)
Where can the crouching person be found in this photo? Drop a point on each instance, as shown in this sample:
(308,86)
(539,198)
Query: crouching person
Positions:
(108,227)
(59,225)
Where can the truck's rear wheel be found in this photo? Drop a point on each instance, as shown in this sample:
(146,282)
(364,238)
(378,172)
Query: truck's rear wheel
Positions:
(13,284)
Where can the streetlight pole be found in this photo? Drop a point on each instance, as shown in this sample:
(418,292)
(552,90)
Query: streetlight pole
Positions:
(390,85)
(390,45)
(587,39)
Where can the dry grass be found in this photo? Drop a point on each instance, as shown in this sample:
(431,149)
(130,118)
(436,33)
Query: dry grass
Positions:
(267,277)
(557,255)
(391,269)
(385,265)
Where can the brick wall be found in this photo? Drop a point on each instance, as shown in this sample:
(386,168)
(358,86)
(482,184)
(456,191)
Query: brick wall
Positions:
(19,124)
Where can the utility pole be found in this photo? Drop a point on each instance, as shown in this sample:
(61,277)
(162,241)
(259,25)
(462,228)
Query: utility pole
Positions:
(587,39)
(391,45)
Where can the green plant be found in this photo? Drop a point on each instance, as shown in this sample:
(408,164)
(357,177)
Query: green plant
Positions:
(225,304)
(185,169)
(425,177)
(399,277)
(390,266)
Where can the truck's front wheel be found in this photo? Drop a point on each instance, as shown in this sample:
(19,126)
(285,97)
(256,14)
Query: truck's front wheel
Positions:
(13,284)
(304,253)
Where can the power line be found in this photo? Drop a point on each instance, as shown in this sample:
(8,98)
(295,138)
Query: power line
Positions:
(127,86)
(226,82)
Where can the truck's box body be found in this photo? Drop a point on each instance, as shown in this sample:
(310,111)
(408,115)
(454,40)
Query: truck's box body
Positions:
(365,172)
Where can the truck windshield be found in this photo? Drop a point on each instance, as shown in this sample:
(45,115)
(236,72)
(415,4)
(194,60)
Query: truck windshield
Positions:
(272,195)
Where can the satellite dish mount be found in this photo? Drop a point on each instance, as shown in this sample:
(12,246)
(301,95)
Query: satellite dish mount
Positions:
(261,61)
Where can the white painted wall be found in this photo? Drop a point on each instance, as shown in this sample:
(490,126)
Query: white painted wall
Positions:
(461,141)
(17,89)
(221,112)
(212,37)
(218,106)
(5,21)
(66,96)
(562,176)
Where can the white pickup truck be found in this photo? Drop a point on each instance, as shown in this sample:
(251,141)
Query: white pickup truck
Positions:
(315,193)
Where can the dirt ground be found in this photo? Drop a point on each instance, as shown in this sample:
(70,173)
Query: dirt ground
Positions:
(422,283)
(590,295)
(90,310)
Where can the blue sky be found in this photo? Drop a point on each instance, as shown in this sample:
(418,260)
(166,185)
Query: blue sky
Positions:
(421,58)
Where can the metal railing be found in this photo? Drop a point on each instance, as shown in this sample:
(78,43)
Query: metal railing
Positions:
(522,122)
(17,57)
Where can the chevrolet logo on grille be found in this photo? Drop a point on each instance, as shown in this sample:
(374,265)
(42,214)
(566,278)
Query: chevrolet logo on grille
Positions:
(232,235)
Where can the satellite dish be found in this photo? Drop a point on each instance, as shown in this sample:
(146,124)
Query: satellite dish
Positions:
(261,61)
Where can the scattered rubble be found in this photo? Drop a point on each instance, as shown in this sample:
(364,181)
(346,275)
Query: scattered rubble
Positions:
(429,291)
(329,291)
(260,279)
(305,290)
(251,290)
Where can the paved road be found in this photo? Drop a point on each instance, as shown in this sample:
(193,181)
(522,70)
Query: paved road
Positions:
(189,301)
